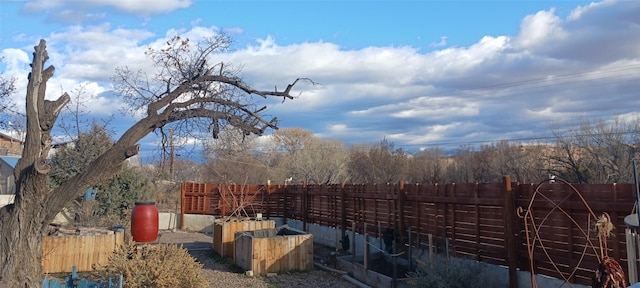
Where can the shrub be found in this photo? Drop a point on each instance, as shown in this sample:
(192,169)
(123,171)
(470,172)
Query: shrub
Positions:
(116,197)
(160,265)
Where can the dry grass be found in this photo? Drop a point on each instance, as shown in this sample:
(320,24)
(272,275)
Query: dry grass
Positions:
(158,265)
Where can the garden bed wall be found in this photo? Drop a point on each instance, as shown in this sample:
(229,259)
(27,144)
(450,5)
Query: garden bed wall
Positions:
(92,246)
(274,250)
(224,233)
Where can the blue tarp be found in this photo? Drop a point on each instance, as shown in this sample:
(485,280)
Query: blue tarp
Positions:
(10,160)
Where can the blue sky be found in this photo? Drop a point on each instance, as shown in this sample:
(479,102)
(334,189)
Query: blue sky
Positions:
(419,73)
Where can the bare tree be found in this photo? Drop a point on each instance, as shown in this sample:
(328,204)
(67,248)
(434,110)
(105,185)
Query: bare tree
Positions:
(319,162)
(525,163)
(232,158)
(75,118)
(381,163)
(291,140)
(600,152)
(187,88)
(460,170)
(7,87)
(283,142)
(429,166)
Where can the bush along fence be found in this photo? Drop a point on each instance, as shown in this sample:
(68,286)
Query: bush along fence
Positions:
(484,222)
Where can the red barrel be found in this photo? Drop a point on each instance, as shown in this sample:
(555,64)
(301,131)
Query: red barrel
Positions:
(144,222)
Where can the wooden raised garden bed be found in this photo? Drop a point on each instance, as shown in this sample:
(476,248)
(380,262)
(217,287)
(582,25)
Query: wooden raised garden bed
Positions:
(224,231)
(274,250)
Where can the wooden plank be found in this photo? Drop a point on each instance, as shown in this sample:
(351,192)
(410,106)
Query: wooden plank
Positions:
(60,253)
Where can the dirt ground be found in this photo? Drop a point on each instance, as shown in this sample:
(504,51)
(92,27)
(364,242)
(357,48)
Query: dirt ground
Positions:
(221,271)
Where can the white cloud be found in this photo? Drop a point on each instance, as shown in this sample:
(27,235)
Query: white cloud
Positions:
(539,29)
(139,7)
(76,16)
(578,12)
(436,108)
(554,69)
(442,42)
(145,7)
(14,59)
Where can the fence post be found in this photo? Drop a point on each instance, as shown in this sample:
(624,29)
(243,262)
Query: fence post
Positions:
(510,235)
(285,213)
(343,210)
(267,209)
(401,224)
(305,205)
(182,204)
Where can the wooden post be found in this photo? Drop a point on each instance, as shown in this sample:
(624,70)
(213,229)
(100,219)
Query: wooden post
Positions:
(343,210)
(380,235)
(305,205)
(409,254)
(285,212)
(401,202)
(337,244)
(476,215)
(267,191)
(394,259)
(510,235)
(416,213)
(446,248)
(431,249)
(353,241)
(613,215)
(366,247)
(182,204)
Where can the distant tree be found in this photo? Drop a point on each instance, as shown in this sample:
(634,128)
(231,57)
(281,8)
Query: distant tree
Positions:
(232,158)
(189,90)
(489,162)
(187,170)
(291,139)
(525,163)
(429,166)
(320,161)
(283,142)
(73,157)
(600,152)
(460,170)
(381,163)
(7,88)
(484,166)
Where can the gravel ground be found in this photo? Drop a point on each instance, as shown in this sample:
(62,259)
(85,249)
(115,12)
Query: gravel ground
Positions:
(220,274)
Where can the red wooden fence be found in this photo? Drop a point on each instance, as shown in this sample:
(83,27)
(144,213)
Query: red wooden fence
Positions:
(478,221)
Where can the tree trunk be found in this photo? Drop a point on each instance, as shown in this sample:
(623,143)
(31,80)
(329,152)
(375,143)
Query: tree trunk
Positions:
(20,247)
(23,224)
